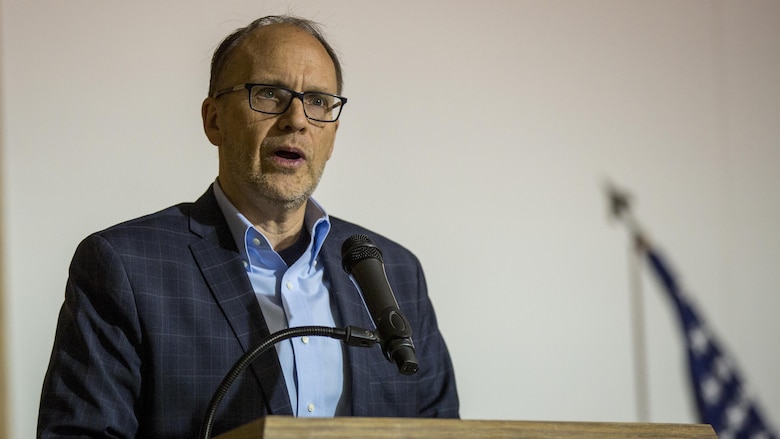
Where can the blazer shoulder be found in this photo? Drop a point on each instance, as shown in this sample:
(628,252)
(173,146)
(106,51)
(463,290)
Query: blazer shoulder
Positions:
(171,219)
(199,217)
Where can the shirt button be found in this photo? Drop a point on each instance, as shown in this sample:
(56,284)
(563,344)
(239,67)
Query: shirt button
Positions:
(289,285)
(310,407)
(305,340)
(256,241)
(246,264)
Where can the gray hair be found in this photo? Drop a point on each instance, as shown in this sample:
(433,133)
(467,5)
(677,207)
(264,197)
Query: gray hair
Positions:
(221,55)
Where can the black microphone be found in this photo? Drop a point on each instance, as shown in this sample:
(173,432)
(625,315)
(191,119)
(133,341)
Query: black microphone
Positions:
(363,261)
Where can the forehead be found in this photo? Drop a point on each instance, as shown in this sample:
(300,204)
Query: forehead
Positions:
(281,53)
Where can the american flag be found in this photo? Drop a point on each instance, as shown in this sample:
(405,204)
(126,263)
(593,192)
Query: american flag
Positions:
(721,398)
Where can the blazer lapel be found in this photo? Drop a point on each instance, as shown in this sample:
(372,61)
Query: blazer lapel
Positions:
(351,312)
(219,261)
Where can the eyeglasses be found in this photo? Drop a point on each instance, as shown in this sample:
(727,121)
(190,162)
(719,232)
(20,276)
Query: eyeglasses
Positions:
(272,99)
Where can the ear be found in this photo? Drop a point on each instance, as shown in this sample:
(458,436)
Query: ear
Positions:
(209,111)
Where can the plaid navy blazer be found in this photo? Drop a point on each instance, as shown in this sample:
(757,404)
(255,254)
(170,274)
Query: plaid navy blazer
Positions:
(159,308)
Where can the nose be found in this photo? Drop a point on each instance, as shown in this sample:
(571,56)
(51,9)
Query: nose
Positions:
(294,119)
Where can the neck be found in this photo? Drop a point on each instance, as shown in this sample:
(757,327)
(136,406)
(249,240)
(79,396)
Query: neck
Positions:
(281,223)
(281,234)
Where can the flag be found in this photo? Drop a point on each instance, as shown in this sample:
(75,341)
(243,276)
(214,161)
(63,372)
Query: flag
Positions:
(721,399)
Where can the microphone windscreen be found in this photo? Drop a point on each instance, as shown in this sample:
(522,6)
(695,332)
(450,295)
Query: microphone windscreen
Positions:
(357,248)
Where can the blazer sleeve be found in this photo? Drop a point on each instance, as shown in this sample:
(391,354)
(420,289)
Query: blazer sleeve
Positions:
(437,395)
(434,384)
(92,386)
(438,376)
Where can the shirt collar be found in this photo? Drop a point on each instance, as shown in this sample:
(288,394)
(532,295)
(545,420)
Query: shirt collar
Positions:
(316,220)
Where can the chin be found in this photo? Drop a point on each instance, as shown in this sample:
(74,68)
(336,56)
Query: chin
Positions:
(291,203)
(289,200)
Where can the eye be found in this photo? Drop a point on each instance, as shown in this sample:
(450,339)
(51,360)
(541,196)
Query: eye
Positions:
(315,100)
(266,93)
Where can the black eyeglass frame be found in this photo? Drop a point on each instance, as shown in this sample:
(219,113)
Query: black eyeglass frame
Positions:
(294,94)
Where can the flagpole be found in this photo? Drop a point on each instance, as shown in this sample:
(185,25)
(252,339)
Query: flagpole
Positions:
(620,209)
(640,345)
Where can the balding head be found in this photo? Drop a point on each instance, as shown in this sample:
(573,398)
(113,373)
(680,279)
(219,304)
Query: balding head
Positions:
(222,56)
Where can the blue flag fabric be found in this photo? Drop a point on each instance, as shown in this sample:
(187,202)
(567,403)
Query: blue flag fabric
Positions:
(720,396)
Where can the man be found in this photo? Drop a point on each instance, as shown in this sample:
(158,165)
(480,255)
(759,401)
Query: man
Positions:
(159,308)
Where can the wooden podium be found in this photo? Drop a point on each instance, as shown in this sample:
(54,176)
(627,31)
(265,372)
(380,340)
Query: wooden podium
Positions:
(286,427)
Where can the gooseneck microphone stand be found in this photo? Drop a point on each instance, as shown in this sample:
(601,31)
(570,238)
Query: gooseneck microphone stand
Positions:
(351,336)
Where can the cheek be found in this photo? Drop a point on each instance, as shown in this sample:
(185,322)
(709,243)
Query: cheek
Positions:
(240,148)
(246,135)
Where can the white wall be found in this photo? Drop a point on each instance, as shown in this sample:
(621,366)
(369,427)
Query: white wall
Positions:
(477,134)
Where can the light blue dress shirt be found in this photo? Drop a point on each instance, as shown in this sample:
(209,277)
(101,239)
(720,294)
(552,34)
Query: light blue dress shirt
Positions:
(292,296)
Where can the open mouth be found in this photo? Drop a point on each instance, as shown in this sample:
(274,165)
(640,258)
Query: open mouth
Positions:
(288,155)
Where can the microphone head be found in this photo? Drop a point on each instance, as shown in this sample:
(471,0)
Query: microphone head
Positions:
(357,248)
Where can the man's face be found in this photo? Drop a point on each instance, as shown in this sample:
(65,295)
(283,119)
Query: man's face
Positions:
(272,158)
